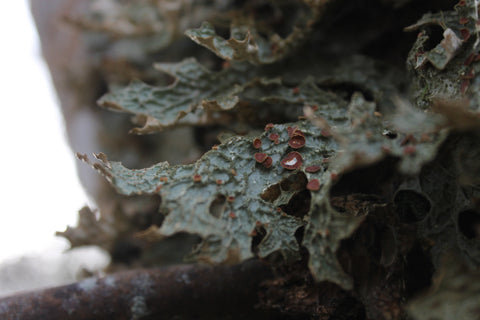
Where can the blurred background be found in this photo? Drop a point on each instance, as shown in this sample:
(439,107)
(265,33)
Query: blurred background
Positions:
(40,191)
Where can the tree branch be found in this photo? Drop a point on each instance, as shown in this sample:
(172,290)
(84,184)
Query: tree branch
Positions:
(183,292)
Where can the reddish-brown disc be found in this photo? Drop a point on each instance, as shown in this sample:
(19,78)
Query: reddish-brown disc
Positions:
(408,150)
(296,142)
(313,169)
(292,161)
(268,162)
(409,138)
(273,136)
(313,185)
(257,143)
(290,130)
(465,34)
(260,157)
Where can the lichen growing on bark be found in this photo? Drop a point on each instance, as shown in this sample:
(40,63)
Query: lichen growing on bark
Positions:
(335,157)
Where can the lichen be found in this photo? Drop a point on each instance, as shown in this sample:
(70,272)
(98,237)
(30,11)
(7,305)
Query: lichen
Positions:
(331,156)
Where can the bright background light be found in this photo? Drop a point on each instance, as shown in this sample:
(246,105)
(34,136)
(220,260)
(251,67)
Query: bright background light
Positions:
(40,192)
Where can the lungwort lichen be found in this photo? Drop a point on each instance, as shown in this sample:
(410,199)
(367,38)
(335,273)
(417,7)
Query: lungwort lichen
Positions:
(328,146)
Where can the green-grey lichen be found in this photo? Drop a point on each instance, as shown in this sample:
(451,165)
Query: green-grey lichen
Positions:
(232,196)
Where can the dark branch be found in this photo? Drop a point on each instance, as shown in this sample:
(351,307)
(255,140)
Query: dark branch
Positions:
(183,292)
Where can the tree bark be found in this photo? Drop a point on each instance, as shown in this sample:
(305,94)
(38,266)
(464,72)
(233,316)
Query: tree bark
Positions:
(183,292)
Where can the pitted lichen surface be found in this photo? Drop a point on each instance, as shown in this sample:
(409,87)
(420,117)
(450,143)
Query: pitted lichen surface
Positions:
(230,195)
(220,196)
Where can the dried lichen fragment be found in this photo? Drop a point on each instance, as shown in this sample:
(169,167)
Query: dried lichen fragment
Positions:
(89,231)
(446,50)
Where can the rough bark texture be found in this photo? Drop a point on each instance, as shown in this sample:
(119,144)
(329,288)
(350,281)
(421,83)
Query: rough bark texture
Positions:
(180,292)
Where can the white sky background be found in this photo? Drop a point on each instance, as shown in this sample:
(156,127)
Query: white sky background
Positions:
(39,189)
